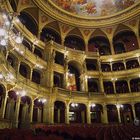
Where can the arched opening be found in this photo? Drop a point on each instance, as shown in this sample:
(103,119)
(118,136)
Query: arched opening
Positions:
(95,112)
(130,64)
(125,41)
(126,113)
(105,67)
(93,85)
(48,34)
(135,85)
(117,66)
(99,43)
(77,113)
(24,70)
(122,86)
(73,76)
(108,87)
(10,105)
(59,112)
(24,112)
(137,110)
(38,111)
(29,22)
(112,113)
(36,76)
(58,79)
(74,42)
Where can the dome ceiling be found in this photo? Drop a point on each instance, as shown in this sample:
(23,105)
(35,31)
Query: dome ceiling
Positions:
(93,8)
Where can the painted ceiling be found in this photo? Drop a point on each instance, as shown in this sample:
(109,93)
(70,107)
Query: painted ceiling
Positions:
(94,7)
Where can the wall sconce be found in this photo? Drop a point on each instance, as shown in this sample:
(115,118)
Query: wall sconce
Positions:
(42,100)
(93,105)
(119,106)
(21,93)
(74,105)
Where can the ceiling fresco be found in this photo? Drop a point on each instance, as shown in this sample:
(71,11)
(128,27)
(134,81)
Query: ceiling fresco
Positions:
(94,7)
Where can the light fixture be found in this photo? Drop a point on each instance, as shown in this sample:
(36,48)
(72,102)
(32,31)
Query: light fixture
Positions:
(42,100)
(74,104)
(21,93)
(119,106)
(93,105)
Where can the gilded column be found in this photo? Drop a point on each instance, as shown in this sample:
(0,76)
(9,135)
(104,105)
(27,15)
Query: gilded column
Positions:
(129,87)
(114,86)
(119,115)
(4,105)
(111,45)
(31,73)
(101,84)
(67,113)
(133,110)
(88,114)
(31,111)
(104,117)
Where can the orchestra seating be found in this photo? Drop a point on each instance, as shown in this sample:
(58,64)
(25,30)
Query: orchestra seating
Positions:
(73,132)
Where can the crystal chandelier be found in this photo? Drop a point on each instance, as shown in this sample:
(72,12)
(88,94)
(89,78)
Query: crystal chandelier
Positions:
(6,25)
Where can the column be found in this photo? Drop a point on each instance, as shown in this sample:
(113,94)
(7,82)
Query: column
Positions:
(114,86)
(31,73)
(23,116)
(129,87)
(111,66)
(4,105)
(51,113)
(111,45)
(124,64)
(44,113)
(67,114)
(133,110)
(15,123)
(31,111)
(104,117)
(138,60)
(39,114)
(101,84)
(65,73)
(88,114)
(119,116)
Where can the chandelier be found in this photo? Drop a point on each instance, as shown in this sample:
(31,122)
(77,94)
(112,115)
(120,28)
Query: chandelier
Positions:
(7,21)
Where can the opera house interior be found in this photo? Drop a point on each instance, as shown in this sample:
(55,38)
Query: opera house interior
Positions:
(69,69)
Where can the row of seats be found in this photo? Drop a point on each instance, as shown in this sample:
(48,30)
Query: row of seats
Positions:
(73,132)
